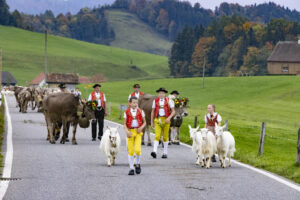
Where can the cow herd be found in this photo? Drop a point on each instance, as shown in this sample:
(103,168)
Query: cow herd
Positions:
(61,110)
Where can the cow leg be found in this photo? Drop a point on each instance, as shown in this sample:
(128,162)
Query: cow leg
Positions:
(143,136)
(177,136)
(25,106)
(149,138)
(51,127)
(48,131)
(74,134)
(63,139)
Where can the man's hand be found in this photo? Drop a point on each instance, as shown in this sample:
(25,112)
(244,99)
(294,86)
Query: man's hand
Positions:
(128,133)
(139,130)
(105,114)
(167,120)
(152,125)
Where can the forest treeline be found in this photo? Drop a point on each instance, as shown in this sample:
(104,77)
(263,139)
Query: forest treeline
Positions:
(230,46)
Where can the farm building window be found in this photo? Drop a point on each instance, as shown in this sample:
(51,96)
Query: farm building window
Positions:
(285,69)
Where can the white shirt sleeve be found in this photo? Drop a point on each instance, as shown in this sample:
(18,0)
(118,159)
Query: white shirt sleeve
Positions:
(129,97)
(153,104)
(90,98)
(171,103)
(125,116)
(219,118)
(205,119)
(143,113)
(104,98)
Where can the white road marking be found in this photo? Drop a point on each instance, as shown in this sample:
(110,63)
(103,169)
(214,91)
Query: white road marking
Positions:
(260,171)
(8,155)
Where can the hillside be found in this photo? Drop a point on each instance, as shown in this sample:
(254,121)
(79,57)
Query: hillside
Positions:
(23,56)
(132,33)
(245,102)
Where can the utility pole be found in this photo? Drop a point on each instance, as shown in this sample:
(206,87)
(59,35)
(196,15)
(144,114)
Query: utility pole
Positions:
(0,69)
(203,76)
(45,67)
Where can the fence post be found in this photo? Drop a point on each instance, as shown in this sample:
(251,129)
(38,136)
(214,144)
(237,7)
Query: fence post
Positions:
(298,147)
(262,139)
(226,125)
(109,109)
(195,122)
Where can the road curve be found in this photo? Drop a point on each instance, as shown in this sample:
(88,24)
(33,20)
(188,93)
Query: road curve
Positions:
(47,171)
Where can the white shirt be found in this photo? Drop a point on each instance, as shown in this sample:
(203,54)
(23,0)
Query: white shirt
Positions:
(134,123)
(219,118)
(137,95)
(97,94)
(77,93)
(161,111)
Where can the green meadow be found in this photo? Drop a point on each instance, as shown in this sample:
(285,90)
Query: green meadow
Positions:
(23,56)
(245,102)
(132,33)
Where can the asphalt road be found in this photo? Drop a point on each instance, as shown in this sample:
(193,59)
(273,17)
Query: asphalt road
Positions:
(48,171)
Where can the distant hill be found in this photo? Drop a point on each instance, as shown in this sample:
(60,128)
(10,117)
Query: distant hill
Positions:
(23,56)
(57,6)
(132,33)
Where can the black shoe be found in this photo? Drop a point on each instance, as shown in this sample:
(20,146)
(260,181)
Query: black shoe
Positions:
(164,156)
(99,138)
(213,158)
(153,154)
(131,172)
(94,139)
(138,169)
(67,140)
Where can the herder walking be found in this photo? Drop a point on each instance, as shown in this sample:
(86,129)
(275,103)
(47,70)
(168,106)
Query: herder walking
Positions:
(162,112)
(100,112)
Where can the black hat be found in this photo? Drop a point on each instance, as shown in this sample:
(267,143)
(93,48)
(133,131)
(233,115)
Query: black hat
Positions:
(136,86)
(62,85)
(96,85)
(175,92)
(162,90)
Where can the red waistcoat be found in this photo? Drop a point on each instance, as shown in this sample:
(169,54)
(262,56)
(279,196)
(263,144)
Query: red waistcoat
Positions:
(166,107)
(211,122)
(94,98)
(133,94)
(130,118)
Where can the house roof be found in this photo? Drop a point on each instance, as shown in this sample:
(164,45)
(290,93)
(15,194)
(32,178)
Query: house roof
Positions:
(8,78)
(84,79)
(62,78)
(38,79)
(285,52)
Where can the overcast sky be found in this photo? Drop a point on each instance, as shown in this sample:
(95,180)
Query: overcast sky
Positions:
(292,4)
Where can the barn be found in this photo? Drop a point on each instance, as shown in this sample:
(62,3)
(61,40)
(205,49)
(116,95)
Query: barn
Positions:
(70,80)
(8,79)
(285,59)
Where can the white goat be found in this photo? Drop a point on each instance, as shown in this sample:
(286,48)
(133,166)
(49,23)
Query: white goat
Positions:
(209,147)
(110,144)
(225,145)
(196,136)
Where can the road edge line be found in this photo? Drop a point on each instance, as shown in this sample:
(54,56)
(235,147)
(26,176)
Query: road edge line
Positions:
(9,153)
(277,178)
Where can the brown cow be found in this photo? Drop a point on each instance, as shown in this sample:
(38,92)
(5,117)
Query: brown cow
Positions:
(63,107)
(17,90)
(176,122)
(145,103)
(24,97)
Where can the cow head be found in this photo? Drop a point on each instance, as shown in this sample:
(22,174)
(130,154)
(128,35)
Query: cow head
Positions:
(113,135)
(87,111)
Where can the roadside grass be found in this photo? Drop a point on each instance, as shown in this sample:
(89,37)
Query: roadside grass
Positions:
(23,56)
(245,102)
(2,120)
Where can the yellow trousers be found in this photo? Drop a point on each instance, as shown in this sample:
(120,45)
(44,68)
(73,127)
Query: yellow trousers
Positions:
(134,142)
(161,127)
